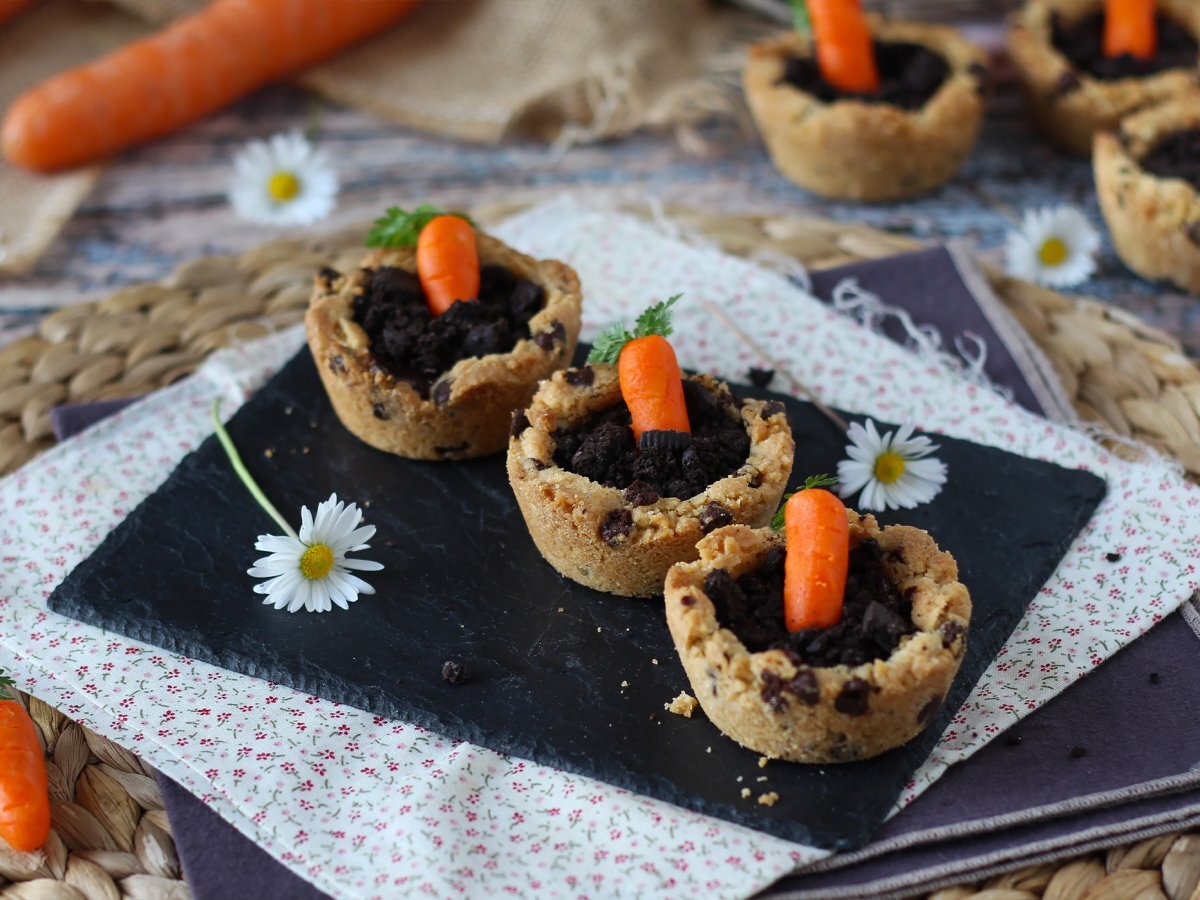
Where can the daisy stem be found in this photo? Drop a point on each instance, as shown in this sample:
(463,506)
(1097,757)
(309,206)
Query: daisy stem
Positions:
(247,479)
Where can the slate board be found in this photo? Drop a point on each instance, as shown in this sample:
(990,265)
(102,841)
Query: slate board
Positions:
(464,581)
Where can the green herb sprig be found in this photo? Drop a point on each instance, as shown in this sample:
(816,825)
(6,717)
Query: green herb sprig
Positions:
(655,320)
(398,228)
(7,686)
(812,481)
(800,17)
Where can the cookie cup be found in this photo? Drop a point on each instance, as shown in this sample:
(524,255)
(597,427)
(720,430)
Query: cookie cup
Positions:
(469,407)
(1069,106)
(1154,222)
(591,534)
(850,150)
(812,714)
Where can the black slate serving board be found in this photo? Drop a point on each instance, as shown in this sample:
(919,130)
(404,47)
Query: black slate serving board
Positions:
(464,581)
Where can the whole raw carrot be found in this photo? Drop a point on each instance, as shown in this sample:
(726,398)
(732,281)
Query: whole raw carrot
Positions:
(818,558)
(9,8)
(652,386)
(193,67)
(24,790)
(1129,27)
(845,54)
(447,262)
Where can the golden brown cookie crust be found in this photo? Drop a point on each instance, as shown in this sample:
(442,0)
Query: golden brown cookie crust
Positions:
(469,409)
(851,150)
(906,689)
(1154,222)
(565,511)
(1069,106)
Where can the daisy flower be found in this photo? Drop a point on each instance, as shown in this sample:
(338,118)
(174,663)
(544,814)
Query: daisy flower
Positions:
(283,181)
(312,570)
(894,471)
(1054,246)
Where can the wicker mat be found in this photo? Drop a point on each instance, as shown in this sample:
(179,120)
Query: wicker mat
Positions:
(111,838)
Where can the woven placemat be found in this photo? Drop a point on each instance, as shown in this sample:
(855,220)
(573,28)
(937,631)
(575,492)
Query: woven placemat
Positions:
(111,838)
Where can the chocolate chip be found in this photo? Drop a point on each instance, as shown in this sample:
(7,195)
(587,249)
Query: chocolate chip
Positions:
(805,687)
(664,440)
(754,479)
(1113,557)
(951,632)
(337,364)
(760,377)
(1013,740)
(882,627)
(1066,83)
(616,525)
(327,276)
(379,410)
(1078,752)
(454,672)
(552,335)
(772,692)
(687,600)
(1193,233)
(520,422)
(772,408)
(582,376)
(539,464)
(1155,678)
(925,714)
(441,392)
(714,516)
(639,493)
(854,698)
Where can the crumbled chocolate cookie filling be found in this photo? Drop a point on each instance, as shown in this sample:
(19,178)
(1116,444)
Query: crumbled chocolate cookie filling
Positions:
(909,76)
(454,672)
(1176,156)
(601,448)
(874,615)
(410,344)
(1082,43)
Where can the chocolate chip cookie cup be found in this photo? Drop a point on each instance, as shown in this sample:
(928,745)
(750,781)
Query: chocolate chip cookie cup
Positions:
(623,539)
(1148,182)
(866,148)
(416,410)
(791,697)
(1073,91)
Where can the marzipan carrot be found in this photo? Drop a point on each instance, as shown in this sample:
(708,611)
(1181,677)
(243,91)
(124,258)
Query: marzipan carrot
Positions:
(9,8)
(1129,27)
(652,386)
(191,68)
(24,790)
(447,262)
(845,54)
(818,558)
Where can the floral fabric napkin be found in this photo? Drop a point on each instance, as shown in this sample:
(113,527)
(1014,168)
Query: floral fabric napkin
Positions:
(363,806)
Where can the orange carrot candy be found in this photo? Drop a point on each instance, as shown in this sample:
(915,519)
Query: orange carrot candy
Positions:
(651,382)
(447,258)
(24,790)
(845,54)
(1129,28)
(191,68)
(818,556)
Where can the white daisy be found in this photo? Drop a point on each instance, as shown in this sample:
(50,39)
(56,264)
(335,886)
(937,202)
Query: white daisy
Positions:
(312,570)
(1054,246)
(283,181)
(894,471)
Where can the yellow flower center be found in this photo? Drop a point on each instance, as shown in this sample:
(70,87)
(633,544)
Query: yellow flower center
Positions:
(316,562)
(1053,252)
(283,186)
(889,467)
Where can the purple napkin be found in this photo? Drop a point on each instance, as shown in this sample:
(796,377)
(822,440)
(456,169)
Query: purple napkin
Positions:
(1076,774)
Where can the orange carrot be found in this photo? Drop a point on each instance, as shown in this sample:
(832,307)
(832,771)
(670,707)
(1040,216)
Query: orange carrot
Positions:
(9,8)
(447,262)
(652,386)
(845,54)
(818,557)
(191,68)
(24,790)
(1129,27)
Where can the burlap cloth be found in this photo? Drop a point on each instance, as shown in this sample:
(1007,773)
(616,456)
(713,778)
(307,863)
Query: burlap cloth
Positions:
(480,70)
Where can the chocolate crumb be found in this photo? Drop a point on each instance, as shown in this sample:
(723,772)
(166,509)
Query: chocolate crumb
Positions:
(520,422)
(582,376)
(1113,557)
(556,333)
(687,600)
(616,525)
(1013,740)
(1078,752)
(641,493)
(1155,678)
(664,440)
(441,392)
(379,410)
(760,377)
(454,672)
(714,516)
(854,698)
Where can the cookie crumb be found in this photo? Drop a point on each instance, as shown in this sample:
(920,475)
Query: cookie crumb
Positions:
(683,705)
(304,450)
(769,799)
(624,684)
(761,778)
(739,779)
(269,453)
(708,749)
(654,662)
(454,672)
(560,609)
(745,793)
(762,761)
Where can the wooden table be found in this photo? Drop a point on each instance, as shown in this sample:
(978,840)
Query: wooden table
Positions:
(165,203)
